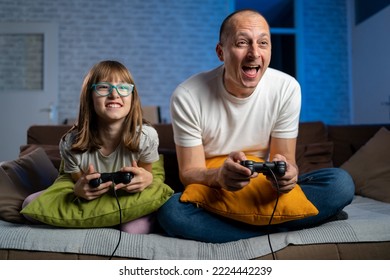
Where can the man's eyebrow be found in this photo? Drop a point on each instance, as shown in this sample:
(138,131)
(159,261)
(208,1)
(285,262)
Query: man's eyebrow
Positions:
(265,34)
(244,33)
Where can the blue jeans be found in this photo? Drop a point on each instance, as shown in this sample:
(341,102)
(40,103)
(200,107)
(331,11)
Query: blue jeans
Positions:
(329,189)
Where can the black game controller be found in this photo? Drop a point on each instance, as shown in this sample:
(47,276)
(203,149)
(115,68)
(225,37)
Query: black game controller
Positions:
(277,167)
(116,177)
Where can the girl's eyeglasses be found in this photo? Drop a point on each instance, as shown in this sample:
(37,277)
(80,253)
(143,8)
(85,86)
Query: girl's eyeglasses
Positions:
(105,89)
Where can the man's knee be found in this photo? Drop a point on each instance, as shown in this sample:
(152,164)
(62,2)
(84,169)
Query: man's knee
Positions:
(345,184)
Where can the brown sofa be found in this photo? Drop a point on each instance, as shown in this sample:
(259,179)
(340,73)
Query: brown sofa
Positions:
(318,146)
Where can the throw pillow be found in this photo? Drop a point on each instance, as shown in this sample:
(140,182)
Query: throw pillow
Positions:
(52,151)
(21,177)
(370,167)
(58,205)
(254,204)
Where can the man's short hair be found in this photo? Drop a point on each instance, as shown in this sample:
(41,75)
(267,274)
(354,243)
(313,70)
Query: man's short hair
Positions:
(227,21)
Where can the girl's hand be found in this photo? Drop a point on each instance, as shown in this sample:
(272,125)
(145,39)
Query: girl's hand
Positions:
(286,183)
(84,190)
(141,180)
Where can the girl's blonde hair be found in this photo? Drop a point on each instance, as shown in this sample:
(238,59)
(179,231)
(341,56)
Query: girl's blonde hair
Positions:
(87,124)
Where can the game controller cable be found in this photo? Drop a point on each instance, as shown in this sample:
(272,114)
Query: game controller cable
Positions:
(115,178)
(270,169)
(120,220)
(273,213)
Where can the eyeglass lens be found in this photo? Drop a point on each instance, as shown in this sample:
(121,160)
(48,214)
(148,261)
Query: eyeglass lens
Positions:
(106,89)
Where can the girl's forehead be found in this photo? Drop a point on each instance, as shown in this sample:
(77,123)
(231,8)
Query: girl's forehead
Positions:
(112,78)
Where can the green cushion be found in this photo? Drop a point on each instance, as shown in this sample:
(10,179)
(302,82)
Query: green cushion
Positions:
(58,206)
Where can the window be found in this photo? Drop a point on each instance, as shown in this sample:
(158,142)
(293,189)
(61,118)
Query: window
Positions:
(281,18)
(21,63)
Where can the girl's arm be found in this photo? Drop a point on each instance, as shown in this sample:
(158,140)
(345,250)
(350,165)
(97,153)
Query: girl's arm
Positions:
(146,166)
(76,176)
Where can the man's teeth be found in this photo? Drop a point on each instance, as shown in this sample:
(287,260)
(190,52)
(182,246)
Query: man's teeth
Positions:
(251,68)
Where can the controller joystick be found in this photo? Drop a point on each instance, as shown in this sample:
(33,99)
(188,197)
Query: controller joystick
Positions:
(277,167)
(116,177)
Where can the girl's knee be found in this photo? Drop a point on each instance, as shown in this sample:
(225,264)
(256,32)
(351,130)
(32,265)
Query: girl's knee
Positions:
(30,198)
(142,225)
(27,201)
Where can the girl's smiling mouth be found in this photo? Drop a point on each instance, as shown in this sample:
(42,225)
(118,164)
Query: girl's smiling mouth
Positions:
(114,105)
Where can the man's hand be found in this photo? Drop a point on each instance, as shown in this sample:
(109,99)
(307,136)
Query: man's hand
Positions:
(232,176)
(286,183)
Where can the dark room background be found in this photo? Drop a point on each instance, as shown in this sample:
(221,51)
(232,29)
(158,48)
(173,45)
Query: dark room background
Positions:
(337,49)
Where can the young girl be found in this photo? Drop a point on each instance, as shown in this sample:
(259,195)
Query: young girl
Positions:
(110,136)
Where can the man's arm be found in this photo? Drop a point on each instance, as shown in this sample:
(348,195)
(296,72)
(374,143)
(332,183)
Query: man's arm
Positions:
(192,169)
(192,166)
(284,150)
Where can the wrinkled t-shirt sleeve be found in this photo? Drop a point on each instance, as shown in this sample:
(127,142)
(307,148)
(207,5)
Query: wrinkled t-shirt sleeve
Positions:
(149,145)
(71,160)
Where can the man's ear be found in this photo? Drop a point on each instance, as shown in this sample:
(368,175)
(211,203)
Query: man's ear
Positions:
(219,51)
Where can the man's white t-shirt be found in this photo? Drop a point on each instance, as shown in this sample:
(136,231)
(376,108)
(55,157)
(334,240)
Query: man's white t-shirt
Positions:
(204,113)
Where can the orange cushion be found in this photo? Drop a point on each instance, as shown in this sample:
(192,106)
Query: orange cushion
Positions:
(253,204)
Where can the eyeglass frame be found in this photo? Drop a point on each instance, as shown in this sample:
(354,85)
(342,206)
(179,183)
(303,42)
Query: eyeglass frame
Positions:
(111,88)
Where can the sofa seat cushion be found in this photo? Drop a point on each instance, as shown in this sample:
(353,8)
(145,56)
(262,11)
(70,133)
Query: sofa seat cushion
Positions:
(254,204)
(21,177)
(58,206)
(370,167)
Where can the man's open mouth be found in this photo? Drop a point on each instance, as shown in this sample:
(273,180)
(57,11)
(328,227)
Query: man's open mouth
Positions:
(251,70)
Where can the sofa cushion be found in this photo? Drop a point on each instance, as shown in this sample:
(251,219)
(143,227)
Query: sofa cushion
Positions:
(312,132)
(348,139)
(58,206)
(19,178)
(254,204)
(46,134)
(314,156)
(370,167)
(52,151)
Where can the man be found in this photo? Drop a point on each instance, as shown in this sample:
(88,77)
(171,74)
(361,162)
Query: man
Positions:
(242,108)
